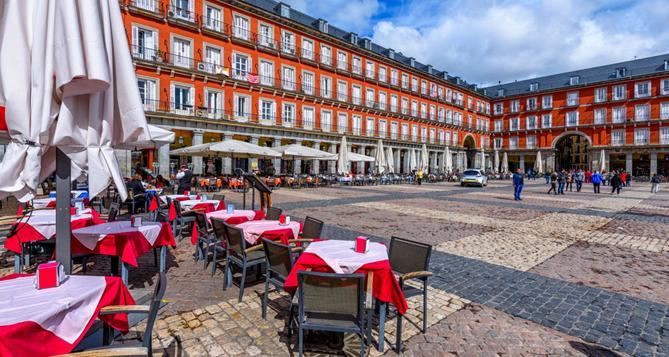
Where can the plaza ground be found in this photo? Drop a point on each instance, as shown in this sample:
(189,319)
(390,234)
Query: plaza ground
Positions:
(576,274)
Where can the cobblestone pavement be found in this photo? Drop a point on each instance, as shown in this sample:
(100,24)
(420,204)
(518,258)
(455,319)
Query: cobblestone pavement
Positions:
(573,274)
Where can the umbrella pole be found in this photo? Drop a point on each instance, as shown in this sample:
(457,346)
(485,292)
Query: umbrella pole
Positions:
(63,232)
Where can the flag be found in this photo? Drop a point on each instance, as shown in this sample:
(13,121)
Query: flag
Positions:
(154,204)
(252,78)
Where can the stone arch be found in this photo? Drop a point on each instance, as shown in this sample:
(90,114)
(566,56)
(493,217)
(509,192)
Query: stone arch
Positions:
(572,150)
(557,139)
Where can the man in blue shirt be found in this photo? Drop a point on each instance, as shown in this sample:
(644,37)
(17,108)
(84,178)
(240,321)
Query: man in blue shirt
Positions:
(518,182)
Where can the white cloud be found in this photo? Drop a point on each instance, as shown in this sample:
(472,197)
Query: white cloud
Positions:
(349,15)
(487,41)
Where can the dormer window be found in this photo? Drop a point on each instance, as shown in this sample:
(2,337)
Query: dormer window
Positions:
(353,38)
(621,72)
(666,65)
(534,87)
(285,10)
(500,92)
(574,80)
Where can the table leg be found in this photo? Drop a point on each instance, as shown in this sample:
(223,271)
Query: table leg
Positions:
(163,256)
(17,262)
(124,273)
(382,324)
(114,266)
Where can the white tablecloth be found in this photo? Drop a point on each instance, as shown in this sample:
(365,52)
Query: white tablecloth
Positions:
(223,214)
(254,229)
(42,202)
(90,236)
(189,204)
(340,255)
(44,221)
(174,197)
(64,310)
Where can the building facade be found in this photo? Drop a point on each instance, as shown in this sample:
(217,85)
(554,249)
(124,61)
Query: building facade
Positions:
(262,72)
(611,117)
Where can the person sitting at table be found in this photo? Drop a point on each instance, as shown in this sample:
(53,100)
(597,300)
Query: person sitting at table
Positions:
(137,191)
(184,176)
(161,182)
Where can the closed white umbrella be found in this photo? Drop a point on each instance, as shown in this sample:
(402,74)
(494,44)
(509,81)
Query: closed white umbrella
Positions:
(448,160)
(342,158)
(299,152)
(602,161)
(390,160)
(412,160)
(380,159)
(538,164)
(496,159)
(505,163)
(424,160)
(227,148)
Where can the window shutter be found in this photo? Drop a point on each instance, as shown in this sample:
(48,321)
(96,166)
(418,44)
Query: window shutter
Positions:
(172,96)
(135,40)
(191,98)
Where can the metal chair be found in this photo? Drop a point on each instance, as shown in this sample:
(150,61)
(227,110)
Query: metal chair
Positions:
(278,264)
(240,256)
(219,197)
(219,244)
(411,260)
(331,302)
(113,212)
(312,228)
(205,237)
(273,213)
(180,221)
(141,347)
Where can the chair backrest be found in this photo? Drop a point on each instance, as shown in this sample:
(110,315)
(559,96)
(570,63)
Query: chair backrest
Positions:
(330,293)
(407,256)
(161,217)
(177,207)
(312,228)
(201,224)
(235,240)
(113,212)
(278,257)
(156,300)
(273,213)
(219,197)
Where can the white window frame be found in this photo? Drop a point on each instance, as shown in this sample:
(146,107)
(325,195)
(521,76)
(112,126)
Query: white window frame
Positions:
(245,114)
(642,139)
(547,102)
(618,137)
(288,120)
(643,94)
(270,117)
(572,99)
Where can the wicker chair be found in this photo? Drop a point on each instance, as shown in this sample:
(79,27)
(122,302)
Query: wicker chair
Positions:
(331,302)
(241,256)
(141,347)
(273,213)
(411,260)
(278,264)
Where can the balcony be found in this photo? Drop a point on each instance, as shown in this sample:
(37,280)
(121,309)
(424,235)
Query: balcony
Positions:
(151,8)
(215,28)
(182,16)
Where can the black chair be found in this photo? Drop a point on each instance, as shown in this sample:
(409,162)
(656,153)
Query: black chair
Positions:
(273,213)
(219,197)
(219,244)
(132,347)
(278,264)
(113,212)
(181,220)
(312,228)
(331,302)
(411,260)
(205,237)
(241,256)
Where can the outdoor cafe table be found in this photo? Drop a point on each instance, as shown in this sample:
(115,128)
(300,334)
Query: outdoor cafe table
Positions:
(50,202)
(205,205)
(272,230)
(237,216)
(40,225)
(340,257)
(53,321)
(178,197)
(120,240)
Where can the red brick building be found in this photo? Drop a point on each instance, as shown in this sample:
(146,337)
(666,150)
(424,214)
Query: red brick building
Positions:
(262,72)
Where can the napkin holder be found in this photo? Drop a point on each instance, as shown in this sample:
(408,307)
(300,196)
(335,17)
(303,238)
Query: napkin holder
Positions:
(49,275)
(135,221)
(361,244)
(230,209)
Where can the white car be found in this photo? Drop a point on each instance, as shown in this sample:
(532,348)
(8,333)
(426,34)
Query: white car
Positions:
(474,177)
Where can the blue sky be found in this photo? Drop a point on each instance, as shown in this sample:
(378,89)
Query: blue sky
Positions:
(486,41)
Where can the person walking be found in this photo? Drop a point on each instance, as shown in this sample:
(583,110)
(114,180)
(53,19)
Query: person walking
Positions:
(655,182)
(553,178)
(623,179)
(579,177)
(518,183)
(547,176)
(588,175)
(561,179)
(615,183)
(570,180)
(596,180)
(629,180)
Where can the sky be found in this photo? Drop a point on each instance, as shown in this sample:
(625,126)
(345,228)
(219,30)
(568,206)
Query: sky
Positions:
(487,41)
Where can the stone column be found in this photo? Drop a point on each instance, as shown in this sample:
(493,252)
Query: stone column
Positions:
(164,160)
(433,161)
(316,165)
(360,169)
(332,164)
(628,161)
(198,137)
(522,162)
(349,165)
(653,162)
(226,162)
(396,160)
(124,158)
(253,163)
(276,162)
(297,166)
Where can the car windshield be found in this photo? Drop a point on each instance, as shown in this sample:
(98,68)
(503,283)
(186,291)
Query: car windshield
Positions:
(471,172)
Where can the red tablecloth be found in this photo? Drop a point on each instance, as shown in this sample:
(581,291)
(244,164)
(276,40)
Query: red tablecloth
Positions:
(26,233)
(28,338)
(129,246)
(386,287)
